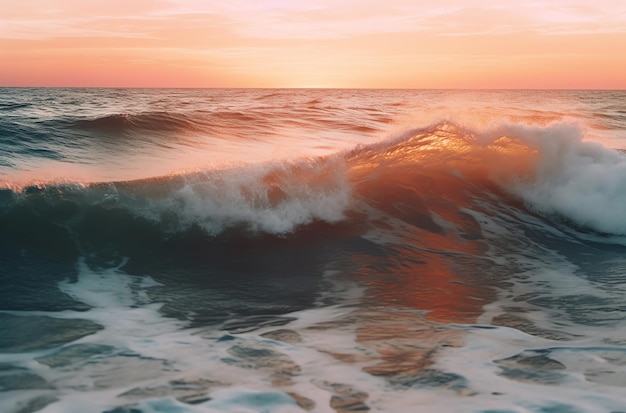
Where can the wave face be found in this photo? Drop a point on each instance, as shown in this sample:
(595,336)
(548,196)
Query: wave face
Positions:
(126,123)
(549,169)
(318,248)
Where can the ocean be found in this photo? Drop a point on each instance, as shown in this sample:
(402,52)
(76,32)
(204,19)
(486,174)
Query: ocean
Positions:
(294,250)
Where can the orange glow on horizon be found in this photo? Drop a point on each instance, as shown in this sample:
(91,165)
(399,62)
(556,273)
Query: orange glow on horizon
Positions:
(323,43)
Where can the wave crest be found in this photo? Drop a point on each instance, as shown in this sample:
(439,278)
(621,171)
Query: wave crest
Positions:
(581,181)
(550,168)
(274,198)
(147,121)
(420,176)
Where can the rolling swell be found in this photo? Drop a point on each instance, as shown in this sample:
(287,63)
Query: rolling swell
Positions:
(13,106)
(398,206)
(147,121)
(424,177)
(182,219)
(183,231)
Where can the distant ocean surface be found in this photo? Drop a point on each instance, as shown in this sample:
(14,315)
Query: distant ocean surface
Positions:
(285,250)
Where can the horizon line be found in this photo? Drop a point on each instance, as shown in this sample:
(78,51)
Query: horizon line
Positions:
(314,88)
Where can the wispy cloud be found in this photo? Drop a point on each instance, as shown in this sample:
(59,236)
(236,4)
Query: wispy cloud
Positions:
(311,35)
(321,19)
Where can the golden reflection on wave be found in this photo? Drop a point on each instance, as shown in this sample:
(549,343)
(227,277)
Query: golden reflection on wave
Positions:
(435,283)
(398,345)
(432,272)
(445,150)
(434,250)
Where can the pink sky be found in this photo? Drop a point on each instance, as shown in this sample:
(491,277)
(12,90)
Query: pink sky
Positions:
(317,43)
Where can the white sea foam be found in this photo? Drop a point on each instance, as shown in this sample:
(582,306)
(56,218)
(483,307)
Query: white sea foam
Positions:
(582,181)
(576,389)
(149,351)
(272,198)
(152,351)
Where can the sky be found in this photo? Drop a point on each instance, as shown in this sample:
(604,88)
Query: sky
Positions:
(314,43)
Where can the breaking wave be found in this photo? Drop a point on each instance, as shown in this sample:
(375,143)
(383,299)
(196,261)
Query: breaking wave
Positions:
(426,178)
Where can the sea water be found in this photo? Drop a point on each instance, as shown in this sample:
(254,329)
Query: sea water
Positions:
(255,250)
